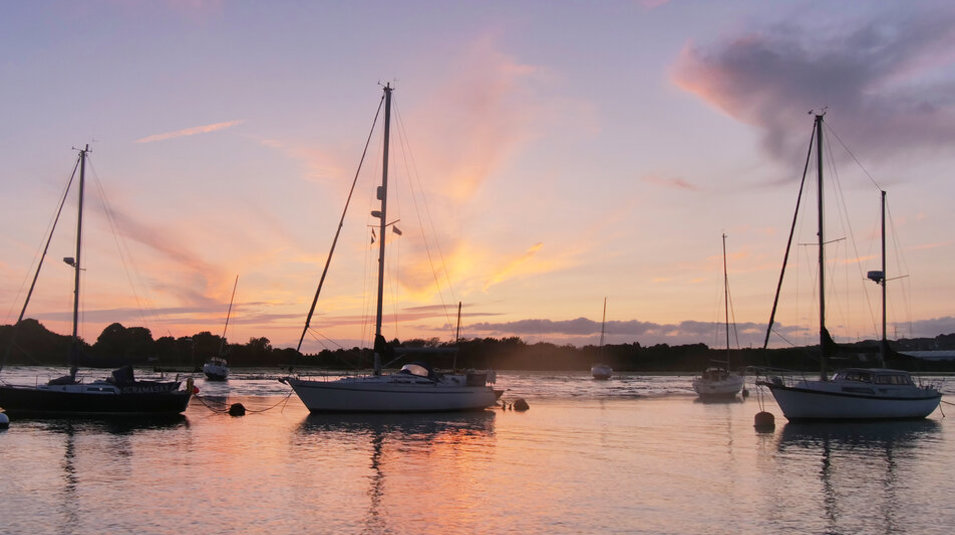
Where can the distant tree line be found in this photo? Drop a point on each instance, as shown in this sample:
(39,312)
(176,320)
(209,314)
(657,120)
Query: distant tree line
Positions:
(32,344)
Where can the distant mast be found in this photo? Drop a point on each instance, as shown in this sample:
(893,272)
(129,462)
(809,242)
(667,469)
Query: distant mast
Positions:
(227,316)
(726,303)
(603,323)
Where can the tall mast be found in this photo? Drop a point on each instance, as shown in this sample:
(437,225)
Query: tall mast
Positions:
(823,335)
(726,303)
(74,348)
(883,346)
(382,214)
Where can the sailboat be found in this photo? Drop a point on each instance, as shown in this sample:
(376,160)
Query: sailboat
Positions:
(416,387)
(217,368)
(853,393)
(121,393)
(601,371)
(718,381)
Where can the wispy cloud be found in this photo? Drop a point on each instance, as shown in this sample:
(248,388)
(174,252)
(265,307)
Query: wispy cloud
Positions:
(514,266)
(205,129)
(670,182)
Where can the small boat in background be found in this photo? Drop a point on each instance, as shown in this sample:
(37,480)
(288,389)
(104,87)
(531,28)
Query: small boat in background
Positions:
(718,382)
(601,371)
(217,368)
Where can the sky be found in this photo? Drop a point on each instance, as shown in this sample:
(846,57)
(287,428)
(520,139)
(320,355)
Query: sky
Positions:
(546,157)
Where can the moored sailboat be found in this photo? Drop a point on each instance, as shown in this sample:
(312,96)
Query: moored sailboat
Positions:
(416,387)
(121,393)
(217,367)
(601,371)
(854,393)
(718,382)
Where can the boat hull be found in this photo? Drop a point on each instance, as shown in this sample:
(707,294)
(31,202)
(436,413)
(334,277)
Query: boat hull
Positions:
(215,373)
(729,387)
(817,400)
(601,372)
(375,394)
(92,400)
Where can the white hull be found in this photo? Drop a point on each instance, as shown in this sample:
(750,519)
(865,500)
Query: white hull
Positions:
(837,400)
(215,372)
(601,371)
(216,369)
(729,386)
(392,393)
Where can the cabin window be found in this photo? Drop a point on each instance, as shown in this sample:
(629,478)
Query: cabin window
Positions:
(859,377)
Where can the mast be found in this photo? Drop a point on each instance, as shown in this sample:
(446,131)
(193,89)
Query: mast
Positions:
(382,215)
(457,338)
(603,323)
(74,346)
(884,345)
(228,315)
(726,303)
(823,335)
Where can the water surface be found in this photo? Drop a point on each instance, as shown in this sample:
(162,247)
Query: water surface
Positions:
(636,454)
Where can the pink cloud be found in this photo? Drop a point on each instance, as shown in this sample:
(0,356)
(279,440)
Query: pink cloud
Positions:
(205,129)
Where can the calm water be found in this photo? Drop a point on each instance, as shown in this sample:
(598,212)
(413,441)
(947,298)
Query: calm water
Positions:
(632,455)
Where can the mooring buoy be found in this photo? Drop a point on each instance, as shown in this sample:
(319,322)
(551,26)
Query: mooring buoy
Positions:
(520,405)
(4,421)
(237,409)
(764,421)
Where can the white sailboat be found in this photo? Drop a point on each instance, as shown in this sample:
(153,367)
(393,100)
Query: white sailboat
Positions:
(601,371)
(855,393)
(718,381)
(416,387)
(217,368)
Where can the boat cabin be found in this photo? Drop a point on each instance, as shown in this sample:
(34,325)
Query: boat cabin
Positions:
(879,377)
(715,374)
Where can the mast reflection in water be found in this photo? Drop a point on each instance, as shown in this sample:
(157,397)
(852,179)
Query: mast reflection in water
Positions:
(634,454)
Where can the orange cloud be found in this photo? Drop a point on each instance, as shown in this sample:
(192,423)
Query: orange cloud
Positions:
(519,265)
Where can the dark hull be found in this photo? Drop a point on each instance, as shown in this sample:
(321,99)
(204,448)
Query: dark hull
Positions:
(34,401)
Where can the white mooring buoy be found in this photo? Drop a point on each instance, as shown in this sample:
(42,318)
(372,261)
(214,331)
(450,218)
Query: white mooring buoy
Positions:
(4,421)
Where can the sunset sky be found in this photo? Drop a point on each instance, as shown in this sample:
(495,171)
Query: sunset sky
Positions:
(560,153)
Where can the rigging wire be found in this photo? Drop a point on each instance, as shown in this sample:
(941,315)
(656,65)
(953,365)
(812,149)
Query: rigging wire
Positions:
(51,227)
(411,165)
(340,224)
(122,247)
(846,222)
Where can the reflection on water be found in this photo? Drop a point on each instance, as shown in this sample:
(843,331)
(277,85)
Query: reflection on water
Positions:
(630,455)
(116,425)
(399,442)
(402,427)
(864,469)
(861,435)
